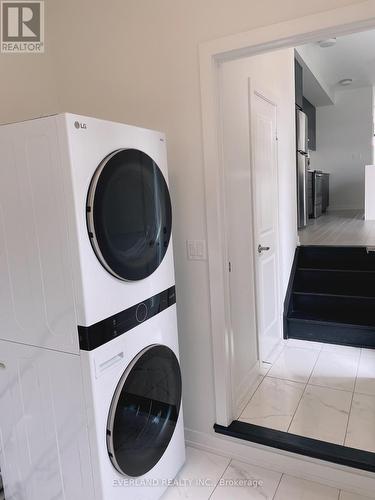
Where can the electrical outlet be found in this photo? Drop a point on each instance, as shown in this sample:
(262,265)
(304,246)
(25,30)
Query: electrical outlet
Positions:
(196,249)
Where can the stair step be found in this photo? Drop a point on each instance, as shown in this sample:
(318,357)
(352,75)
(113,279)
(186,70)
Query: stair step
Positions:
(334,295)
(337,270)
(325,257)
(327,321)
(331,332)
(335,282)
(331,296)
(326,307)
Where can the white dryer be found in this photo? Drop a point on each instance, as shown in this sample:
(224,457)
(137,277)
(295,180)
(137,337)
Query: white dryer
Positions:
(89,374)
(105,425)
(85,226)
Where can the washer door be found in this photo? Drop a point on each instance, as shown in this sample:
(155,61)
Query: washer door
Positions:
(144,411)
(129,214)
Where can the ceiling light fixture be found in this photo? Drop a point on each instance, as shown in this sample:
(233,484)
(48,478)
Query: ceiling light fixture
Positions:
(329,42)
(346,81)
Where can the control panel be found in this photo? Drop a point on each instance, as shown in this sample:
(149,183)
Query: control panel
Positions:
(91,337)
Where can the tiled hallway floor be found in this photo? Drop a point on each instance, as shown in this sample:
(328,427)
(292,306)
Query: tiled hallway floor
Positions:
(208,476)
(320,391)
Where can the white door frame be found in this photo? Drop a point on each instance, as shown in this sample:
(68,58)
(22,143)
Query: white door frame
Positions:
(347,20)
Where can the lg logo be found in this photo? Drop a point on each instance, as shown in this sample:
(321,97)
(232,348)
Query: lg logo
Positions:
(22,27)
(79,125)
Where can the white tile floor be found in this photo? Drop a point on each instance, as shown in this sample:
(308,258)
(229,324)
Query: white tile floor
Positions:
(208,476)
(321,391)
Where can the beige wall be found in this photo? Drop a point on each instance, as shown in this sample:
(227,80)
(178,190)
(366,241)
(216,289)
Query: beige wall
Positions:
(28,86)
(137,61)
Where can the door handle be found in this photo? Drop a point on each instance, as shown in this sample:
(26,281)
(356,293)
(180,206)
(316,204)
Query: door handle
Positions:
(263,249)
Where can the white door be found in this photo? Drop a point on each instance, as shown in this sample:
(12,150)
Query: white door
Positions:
(243,346)
(265,197)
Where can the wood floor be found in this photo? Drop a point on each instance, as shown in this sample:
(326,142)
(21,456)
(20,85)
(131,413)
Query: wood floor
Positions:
(344,227)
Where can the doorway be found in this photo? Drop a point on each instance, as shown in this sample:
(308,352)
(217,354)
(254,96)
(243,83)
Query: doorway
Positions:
(249,135)
(335,92)
(212,56)
(256,94)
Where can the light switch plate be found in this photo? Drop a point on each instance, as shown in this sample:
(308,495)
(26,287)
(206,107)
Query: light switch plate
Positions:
(196,249)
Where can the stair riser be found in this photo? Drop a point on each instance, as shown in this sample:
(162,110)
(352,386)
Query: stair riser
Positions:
(349,336)
(336,258)
(346,309)
(335,282)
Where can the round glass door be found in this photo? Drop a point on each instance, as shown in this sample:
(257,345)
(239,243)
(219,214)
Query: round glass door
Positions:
(129,214)
(144,411)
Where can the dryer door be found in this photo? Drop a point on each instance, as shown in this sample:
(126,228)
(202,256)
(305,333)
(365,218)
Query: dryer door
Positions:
(144,411)
(129,214)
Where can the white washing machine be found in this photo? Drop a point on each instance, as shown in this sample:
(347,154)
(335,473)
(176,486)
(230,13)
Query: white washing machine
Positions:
(104,425)
(85,226)
(89,373)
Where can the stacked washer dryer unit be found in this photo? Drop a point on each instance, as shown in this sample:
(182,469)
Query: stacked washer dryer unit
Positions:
(90,384)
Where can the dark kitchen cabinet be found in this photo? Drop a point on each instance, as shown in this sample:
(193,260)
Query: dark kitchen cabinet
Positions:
(298,75)
(325,200)
(310,190)
(310,111)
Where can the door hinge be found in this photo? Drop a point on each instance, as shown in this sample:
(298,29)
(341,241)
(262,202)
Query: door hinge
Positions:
(230,266)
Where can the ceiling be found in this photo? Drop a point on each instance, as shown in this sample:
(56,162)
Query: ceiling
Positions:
(353,56)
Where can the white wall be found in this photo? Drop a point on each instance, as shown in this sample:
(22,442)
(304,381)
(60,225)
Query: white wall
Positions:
(272,74)
(344,146)
(315,87)
(136,61)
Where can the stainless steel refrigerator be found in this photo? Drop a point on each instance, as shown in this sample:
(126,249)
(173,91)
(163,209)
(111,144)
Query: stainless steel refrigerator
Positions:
(302,168)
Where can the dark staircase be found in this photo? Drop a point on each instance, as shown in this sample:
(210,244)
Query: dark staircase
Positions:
(331,296)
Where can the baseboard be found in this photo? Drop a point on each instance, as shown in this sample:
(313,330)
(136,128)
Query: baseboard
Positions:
(343,209)
(246,389)
(272,357)
(336,476)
